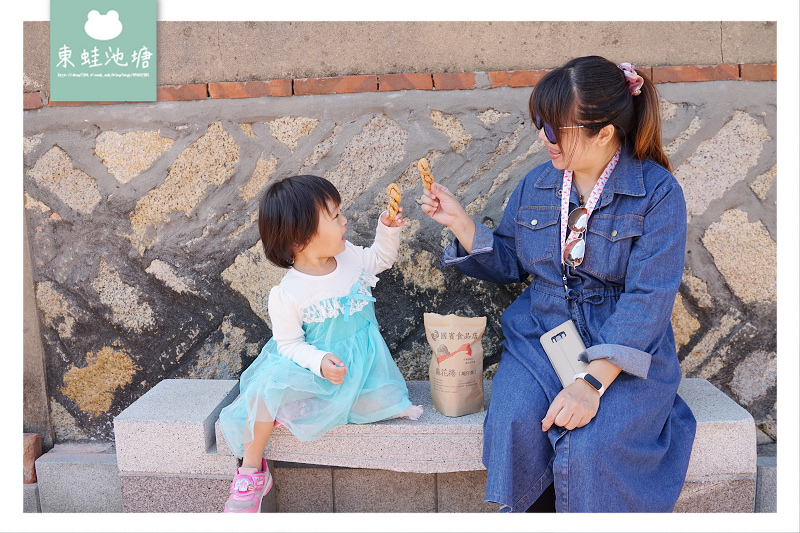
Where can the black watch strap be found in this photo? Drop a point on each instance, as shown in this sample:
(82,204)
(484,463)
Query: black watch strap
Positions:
(593,381)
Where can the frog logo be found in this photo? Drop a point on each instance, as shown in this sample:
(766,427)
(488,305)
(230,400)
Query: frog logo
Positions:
(103,27)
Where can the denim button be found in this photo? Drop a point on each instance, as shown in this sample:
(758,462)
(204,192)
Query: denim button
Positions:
(534,222)
(614,233)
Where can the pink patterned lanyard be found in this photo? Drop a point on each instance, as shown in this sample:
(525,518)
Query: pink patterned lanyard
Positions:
(590,203)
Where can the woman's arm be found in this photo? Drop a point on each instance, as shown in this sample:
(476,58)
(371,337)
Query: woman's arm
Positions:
(477,251)
(652,279)
(443,207)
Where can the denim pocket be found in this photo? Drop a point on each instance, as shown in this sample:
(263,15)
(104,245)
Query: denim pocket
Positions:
(537,233)
(608,244)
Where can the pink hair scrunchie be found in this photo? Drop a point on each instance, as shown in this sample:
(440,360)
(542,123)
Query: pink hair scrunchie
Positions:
(635,81)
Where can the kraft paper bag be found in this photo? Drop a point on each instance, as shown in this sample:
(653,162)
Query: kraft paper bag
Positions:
(456,368)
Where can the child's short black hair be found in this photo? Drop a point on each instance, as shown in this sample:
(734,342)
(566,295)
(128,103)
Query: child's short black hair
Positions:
(289,215)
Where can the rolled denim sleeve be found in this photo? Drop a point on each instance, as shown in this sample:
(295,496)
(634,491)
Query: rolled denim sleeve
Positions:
(494,254)
(482,243)
(630,360)
(638,326)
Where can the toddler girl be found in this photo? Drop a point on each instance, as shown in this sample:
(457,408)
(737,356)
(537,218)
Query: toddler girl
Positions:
(326,364)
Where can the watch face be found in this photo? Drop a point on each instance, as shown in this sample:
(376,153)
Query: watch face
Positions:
(593,381)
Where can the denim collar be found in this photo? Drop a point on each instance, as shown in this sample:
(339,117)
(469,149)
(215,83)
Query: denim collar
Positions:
(626,178)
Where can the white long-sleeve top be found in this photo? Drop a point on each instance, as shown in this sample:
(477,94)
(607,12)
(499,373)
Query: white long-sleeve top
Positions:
(297,292)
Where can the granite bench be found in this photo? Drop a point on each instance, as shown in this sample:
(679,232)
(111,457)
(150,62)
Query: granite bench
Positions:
(170,437)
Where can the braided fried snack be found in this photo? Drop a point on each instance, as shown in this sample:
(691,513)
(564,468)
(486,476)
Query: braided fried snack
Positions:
(425,170)
(394,199)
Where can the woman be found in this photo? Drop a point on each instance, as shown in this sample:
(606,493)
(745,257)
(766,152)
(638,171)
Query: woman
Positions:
(618,439)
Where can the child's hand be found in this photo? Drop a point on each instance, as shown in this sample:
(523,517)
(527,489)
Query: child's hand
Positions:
(397,221)
(333,369)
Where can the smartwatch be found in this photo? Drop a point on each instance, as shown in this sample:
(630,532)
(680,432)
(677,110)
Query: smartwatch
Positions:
(593,381)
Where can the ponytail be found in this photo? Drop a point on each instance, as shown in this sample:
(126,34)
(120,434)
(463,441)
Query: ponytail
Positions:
(647,137)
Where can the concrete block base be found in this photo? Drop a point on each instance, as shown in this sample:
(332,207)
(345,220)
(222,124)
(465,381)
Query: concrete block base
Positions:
(30,498)
(767,484)
(303,488)
(182,494)
(79,478)
(723,496)
(173,494)
(462,492)
(313,489)
(357,490)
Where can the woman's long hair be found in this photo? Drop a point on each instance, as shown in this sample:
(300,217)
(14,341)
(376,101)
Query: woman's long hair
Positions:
(592,91)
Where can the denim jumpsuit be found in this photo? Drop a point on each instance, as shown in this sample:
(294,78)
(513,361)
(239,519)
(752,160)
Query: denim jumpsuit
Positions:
(634,453)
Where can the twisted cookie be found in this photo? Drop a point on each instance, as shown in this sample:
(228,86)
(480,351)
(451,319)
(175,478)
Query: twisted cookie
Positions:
(394,200)
(425,170)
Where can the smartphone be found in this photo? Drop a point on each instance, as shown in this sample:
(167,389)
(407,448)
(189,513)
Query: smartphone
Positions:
(562,345)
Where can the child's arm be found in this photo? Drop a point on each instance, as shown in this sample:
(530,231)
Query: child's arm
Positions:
(287,330)
(383,252)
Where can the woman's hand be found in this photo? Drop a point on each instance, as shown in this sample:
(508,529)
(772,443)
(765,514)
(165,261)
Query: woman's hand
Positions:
(333,369)
(443,207)
(398,220)
(573,407)
(577,403)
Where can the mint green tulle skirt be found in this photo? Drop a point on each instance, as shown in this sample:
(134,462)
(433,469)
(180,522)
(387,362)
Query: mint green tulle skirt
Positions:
(276,388)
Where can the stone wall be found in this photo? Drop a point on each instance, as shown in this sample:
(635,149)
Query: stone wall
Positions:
(146,265)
